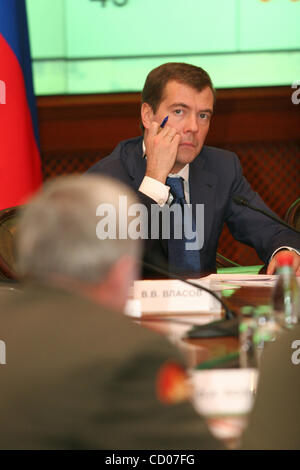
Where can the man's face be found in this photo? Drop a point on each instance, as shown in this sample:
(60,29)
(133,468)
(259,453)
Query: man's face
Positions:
(189,113)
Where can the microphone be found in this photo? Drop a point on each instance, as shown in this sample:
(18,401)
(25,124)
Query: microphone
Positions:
(218,328)
(241,201)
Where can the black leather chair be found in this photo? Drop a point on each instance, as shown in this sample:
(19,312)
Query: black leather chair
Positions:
(292,216)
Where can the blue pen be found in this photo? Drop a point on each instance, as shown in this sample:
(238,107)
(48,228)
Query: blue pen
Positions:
(164,122)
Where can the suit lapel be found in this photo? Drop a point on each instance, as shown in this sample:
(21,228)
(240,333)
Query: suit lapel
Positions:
(134,162)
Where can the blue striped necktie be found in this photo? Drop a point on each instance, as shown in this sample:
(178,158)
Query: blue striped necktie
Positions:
(181,260)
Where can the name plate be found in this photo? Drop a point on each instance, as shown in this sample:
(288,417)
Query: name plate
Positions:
(174,296)
(223,392)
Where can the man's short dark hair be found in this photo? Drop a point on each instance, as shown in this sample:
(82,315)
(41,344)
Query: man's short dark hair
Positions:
(158,78)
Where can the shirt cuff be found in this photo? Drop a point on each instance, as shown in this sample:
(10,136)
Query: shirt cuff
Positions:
(284,248)
(158,191)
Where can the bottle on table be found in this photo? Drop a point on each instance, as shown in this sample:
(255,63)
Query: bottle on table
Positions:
(258,327)
(247,328)
(268,329)
(286,293)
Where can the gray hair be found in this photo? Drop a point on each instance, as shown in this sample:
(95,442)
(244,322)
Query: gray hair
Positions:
(57,230)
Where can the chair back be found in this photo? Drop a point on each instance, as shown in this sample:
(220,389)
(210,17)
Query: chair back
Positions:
(223,262)
(292,216)
(8,229)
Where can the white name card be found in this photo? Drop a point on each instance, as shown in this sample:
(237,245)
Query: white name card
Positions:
(174,296)
(224,392)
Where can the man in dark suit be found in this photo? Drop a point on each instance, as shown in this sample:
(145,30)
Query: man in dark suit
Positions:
(75,373)
(177,106)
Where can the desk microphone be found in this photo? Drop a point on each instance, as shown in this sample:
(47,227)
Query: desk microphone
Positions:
(241,201)
(218,328)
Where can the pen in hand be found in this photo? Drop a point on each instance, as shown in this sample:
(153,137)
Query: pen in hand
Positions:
(164,122)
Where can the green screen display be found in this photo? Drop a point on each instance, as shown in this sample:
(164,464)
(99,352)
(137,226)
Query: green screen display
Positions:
(104,46)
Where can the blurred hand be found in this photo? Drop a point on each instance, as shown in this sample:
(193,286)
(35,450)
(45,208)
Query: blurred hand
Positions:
(273,263)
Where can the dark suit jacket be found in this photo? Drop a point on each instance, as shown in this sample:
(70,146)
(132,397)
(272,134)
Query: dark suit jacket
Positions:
(275,419)
(215,177)
(78,376)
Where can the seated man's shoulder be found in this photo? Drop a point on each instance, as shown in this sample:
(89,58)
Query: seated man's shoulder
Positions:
(113,161)
(66,321)
(216,153)
(217,161)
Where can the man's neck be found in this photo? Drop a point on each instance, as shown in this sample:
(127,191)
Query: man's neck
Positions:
(100,292)
(177,167)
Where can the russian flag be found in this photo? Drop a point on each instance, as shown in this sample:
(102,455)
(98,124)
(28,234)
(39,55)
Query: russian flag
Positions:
(20,163)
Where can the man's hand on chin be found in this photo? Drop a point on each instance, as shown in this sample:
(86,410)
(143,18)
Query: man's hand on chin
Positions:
(161,150)
(273,263)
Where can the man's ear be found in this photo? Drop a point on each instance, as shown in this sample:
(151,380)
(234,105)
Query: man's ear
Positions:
(120,279)
(147,115)
(123,272)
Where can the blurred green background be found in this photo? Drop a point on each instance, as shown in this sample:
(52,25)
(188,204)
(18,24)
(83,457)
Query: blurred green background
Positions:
(96,46)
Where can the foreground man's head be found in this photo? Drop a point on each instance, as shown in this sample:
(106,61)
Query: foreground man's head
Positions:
(58,240)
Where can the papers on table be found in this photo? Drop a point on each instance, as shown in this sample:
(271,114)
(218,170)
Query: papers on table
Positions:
(218,281)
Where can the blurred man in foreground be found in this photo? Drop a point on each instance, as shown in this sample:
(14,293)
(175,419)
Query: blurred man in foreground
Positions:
(78,374)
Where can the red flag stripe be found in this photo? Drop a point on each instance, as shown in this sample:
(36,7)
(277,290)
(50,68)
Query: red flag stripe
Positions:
(20,166)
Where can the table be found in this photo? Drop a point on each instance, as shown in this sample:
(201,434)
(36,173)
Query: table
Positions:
(209,352)
(197,351)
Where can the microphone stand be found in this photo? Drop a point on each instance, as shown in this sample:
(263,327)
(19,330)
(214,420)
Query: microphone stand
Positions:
(241,201)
